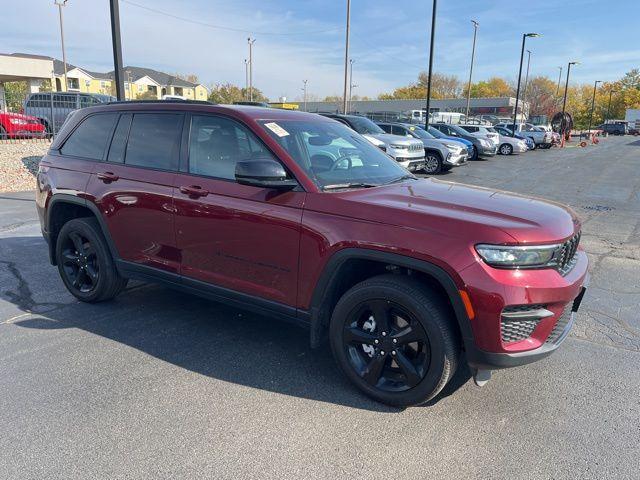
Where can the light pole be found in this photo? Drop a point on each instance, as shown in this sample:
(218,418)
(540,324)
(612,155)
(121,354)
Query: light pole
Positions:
(433,36)
(346,58)
(515,110)
(526,81)
(559,79)
(473,54)
(564,101)
(304,94)
(611,92)
(61,4)
(128,72)
(351,84)
(593,104)
(251,42)
(246,79)
(114,9)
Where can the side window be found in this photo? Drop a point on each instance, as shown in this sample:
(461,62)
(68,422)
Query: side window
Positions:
(119,142)
(90,138)
(154,140)
(216,144)
(386,127)
(87,101)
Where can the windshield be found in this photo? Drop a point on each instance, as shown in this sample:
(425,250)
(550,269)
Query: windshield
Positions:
(436,133)
(420,132)
(459,130)
(363,125)
(333,155)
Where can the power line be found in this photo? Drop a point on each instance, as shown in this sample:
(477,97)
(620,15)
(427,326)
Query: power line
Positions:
(220,27)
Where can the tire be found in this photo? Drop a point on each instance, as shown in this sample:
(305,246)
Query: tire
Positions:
(535,145)
(475,154)
(432,163)
(506,149)
(404,302)
(85,263)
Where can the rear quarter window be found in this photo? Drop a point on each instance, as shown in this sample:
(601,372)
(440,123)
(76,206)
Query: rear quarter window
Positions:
(89,139)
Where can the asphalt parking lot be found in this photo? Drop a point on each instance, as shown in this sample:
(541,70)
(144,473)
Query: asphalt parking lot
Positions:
(159,384)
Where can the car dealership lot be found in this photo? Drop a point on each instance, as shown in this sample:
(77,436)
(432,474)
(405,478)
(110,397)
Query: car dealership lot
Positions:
(161,384)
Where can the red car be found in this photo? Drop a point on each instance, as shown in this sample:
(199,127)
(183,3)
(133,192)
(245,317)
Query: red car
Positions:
(296,216)
(17,125)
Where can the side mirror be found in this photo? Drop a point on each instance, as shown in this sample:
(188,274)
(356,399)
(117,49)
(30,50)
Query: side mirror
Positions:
(264,173)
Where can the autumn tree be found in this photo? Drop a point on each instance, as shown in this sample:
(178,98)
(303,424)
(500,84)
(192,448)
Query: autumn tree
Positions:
(442,86)
(494,87)
(541,96)
(229,93)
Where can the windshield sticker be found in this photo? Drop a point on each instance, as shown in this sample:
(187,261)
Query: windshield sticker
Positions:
(277,129)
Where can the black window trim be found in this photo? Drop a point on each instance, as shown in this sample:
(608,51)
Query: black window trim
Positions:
(184,161)
(112,136)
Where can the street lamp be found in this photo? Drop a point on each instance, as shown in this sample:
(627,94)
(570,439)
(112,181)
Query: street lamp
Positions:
(526,81)
(559,78)
(351,84)
(433,35)
(566,87)
(61,4)
(346,58)
(304,93)
(473,54)
(246,79)
(611,92)
(515,111)
(593,104)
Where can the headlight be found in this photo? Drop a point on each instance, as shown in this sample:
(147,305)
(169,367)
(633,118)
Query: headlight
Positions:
(452,146)
(399,147)
(518,256)
(18,121)
(485,143)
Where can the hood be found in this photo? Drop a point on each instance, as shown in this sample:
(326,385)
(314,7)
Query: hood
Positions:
(395,139)
(456,209)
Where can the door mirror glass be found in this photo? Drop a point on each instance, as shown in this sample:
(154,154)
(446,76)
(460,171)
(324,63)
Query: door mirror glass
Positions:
(264,173)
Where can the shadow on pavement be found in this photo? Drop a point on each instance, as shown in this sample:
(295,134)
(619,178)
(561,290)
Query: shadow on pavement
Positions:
(202,336)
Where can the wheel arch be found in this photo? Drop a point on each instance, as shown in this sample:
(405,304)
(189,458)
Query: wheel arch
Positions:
(64,207)
(435,151)
(345,269)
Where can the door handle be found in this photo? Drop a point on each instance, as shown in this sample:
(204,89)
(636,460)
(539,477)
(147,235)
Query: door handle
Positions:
(108,177)
(194,191)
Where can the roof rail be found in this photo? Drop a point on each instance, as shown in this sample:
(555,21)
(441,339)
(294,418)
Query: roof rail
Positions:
(168,100)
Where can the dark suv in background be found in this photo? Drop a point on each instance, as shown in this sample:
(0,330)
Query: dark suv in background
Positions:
(296,216)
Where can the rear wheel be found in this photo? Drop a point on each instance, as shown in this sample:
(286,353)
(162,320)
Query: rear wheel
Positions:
(395,340)
(506,149)
(85,263)
(432,163)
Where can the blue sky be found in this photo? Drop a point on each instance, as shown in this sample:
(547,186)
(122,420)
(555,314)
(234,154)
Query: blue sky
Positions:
(304,39)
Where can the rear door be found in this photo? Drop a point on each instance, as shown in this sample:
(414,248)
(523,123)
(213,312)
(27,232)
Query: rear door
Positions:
(239,237)
(133,187)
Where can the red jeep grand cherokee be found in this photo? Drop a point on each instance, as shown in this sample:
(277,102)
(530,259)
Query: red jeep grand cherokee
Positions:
(297,216)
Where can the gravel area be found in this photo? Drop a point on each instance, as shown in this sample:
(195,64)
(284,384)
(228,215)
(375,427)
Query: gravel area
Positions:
(19,164)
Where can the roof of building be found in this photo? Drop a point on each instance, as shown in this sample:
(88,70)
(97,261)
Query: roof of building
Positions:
(161,78)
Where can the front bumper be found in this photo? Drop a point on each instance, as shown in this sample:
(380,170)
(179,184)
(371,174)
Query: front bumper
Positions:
(487,151)
(456,159)
(412,164)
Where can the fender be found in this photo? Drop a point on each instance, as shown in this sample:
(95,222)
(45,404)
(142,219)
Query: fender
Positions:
(67,198)
(328,277)
(434,150)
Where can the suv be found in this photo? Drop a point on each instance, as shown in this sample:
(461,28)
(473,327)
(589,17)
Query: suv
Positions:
(52,108)
(483,146)
(407,152)
(439,155)
(483,132)
(540,137)
(296,216)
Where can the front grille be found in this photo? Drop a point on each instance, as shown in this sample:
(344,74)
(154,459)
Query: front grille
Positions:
(515,325)
(416,147)
(560,326)
(566,257)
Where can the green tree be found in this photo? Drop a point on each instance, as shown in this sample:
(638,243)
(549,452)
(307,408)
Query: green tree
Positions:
(228,93)
(15,94)
(494,87)
(442,86)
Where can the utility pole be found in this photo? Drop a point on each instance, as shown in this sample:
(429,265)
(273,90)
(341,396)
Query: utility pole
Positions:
(351,85)
(346,58)
(559,79)
(515,110)
(251,42)
(526,81)
(564,101)
(246,79)
(304,94)
(433,37)
(473,54)
(117,49)
(611,92)
(593,104)
(61,4)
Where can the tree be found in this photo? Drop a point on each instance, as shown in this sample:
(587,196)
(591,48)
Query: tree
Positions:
(229,93)
(541,96)
(148,95)
(190,77)
(494,87)
(442,86)
(14,95)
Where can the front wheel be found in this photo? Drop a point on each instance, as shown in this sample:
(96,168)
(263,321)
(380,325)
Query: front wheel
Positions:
(432,163)
(535,145)
(506,149)
(85,263)
(395,340)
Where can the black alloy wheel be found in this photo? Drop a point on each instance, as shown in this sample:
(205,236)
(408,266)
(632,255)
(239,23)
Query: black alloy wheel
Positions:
(386,346)
(80,263)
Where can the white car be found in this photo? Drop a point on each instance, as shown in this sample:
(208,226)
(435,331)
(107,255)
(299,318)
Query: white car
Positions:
(483,132)
(539,136)
(510,145)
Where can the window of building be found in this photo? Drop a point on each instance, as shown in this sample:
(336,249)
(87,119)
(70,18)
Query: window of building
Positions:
(90,138)
(177,91)
(73,84)
(154,140)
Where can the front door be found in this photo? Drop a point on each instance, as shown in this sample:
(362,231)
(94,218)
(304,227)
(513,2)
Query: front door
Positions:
(239,237)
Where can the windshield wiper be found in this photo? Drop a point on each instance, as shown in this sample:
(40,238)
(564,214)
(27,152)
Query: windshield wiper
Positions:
(337,186)
(400,179)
